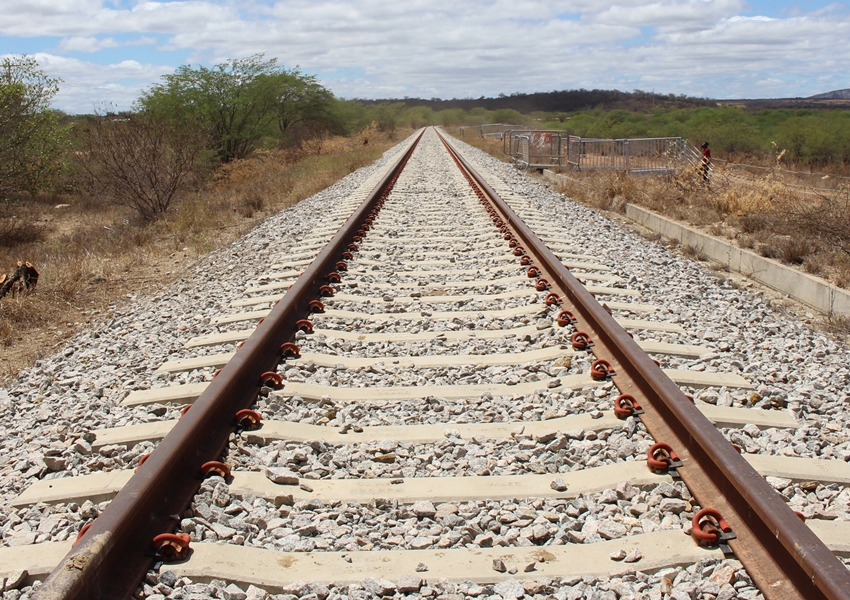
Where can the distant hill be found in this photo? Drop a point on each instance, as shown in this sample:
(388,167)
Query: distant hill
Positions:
(566,101)
(560,101)
(833,95)
(837,100)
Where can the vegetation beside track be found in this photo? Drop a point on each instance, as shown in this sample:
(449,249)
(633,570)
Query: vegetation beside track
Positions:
(93,256)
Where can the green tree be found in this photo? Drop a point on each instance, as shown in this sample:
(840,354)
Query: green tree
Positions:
(507,115)
(728,128)
(419,116)
(299,100)
(817,138)
(31,137)
(239,101)
(349,116)
(792,136)
(387,115)
(451,116)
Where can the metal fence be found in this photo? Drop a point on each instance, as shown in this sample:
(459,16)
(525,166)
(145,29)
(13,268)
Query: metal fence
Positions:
(542,149)
(545,149)
(535,148)
(639,155)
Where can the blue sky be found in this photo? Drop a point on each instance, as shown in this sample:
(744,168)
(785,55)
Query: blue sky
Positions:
(108,51)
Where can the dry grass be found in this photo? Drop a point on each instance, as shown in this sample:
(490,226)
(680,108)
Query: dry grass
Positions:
(778,221)
(839,326)
(492,146)
(92,255)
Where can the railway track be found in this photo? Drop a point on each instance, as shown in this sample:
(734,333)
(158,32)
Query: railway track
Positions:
(431,418)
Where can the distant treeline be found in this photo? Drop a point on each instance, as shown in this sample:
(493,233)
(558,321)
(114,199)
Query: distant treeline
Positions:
(558,101)
(801,136)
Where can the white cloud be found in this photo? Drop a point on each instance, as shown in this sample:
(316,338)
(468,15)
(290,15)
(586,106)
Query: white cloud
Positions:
(93,44)
(90,17)
(671,15)
(447,48)
(86,85)
(86,44)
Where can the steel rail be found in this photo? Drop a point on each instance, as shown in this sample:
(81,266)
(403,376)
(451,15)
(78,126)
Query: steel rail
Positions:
(783,556)
(111,559)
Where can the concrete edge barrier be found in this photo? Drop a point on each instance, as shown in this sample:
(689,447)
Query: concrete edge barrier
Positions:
(810,290)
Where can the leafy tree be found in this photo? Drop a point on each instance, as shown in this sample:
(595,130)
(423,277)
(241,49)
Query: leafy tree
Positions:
(239,101)
(816,138)
(791,137)
(387,114)
(299,100)
(507,115)
(727,128)
(350,116)
(419,116)
(451,116)
(31,136)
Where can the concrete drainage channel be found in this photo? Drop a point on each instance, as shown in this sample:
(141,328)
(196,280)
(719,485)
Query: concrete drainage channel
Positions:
(438,430)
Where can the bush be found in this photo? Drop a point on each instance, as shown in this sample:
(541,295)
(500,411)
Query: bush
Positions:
(31,138)
(825,216)
(139,161)
(18,226)
(241,102)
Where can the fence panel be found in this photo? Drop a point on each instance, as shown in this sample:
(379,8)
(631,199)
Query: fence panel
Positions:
(636,155)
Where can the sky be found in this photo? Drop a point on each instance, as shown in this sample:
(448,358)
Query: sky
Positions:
(108,51)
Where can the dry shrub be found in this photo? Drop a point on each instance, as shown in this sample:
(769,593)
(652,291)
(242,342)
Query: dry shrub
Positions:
(16,314)
(19,225)
(754,223)
(195,214)
(748,198)
(76,273)
(328,144)
(795,250)
(786,248)
(603,190)
(693,253)
(249,186)
(139,160)
(838,325)
(252,204)
(256,166)
(65,286)
(816,264)
(367,134)
(717,229)
(15,231)
(822,215)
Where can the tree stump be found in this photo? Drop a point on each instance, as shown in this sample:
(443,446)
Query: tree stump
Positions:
(23,279)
